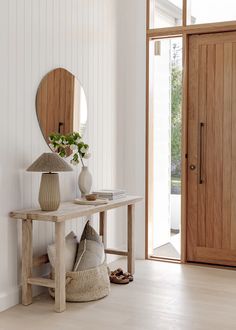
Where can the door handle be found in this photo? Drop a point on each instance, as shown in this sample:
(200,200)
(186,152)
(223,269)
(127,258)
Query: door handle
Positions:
(60,124)
(201,154)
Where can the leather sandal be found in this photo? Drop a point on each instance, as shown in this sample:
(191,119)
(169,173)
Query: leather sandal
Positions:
(129,276)
(119,279)
(117,272)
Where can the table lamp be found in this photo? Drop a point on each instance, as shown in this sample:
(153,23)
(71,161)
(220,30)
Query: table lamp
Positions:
(49,192)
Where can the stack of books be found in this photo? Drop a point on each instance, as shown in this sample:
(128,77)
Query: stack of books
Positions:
(110,194)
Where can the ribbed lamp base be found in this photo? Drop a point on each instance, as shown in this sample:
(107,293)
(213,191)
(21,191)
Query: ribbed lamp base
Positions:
(49,192)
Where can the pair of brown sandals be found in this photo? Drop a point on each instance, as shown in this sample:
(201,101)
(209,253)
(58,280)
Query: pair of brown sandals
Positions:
(119,277)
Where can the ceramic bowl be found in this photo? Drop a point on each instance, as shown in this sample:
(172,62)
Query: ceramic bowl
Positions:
(91,197)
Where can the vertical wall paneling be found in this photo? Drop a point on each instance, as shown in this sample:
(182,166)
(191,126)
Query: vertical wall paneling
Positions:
(130,118)
(36,37)
(4,39)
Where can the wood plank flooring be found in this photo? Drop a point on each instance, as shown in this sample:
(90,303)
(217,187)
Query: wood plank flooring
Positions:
(163,296)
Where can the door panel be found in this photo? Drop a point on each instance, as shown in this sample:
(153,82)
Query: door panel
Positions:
(211,210)
(227,142)
(201,223)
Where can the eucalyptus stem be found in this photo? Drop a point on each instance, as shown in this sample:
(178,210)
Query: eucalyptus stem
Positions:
(81,160)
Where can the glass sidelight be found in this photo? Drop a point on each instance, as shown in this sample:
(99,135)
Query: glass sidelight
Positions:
(165,108)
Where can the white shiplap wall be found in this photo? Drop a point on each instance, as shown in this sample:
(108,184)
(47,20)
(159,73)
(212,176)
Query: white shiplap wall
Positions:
(131,44)
(35,37)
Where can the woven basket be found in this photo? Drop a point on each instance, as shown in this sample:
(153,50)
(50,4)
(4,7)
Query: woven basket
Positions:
(86,285)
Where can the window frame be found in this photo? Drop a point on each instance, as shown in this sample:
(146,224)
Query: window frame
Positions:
(187,28)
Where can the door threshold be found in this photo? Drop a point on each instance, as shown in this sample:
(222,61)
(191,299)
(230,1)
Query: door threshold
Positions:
(178,261)
(210,265)
(163,259)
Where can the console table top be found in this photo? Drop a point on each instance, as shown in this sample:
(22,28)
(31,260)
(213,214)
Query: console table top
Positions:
(71,210)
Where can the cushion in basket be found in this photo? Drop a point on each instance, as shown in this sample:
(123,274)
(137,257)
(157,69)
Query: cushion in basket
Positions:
(90,251)
(70,251)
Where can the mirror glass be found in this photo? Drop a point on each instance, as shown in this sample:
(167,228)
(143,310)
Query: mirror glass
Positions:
(61,104)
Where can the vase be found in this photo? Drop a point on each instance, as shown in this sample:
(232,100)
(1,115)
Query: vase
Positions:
(85,181)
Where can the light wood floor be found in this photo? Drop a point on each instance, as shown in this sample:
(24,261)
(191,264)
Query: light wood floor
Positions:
(163,296)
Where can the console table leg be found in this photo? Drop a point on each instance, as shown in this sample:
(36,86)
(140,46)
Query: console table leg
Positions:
(103,227)
(60,294)
(130,238)
(27,261)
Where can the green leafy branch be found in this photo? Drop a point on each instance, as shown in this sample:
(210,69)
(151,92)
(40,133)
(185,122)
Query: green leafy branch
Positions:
(73,141)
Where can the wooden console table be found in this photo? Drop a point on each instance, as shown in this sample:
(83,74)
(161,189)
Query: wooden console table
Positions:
(67,211)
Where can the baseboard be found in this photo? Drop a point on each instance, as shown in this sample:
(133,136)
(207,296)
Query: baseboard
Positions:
(9,298)
(12,297)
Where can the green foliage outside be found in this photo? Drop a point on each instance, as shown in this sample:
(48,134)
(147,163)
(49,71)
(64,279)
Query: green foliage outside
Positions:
(176,105)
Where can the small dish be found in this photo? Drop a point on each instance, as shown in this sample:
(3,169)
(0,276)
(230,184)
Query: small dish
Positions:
(91,197)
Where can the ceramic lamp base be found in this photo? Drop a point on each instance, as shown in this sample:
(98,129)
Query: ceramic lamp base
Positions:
(49,192)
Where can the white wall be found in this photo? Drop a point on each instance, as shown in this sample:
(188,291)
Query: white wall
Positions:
(131,61)
(85,37)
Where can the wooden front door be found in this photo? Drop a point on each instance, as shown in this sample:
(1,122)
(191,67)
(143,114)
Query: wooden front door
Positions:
(211,198)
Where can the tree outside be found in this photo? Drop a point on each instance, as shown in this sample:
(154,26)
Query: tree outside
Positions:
(176,124)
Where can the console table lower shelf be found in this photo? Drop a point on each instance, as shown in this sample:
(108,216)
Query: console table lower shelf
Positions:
(67,211)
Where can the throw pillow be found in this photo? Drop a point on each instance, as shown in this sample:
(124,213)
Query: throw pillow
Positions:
(90,253)
(70,251)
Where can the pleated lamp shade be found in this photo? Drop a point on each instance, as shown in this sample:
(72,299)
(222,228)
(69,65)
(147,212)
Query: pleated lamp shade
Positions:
(49,192)
(49,162)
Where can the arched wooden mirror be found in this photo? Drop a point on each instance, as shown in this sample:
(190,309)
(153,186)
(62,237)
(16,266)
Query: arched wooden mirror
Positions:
(61,104)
